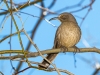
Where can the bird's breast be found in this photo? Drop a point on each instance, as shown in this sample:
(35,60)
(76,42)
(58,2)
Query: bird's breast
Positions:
(68,34)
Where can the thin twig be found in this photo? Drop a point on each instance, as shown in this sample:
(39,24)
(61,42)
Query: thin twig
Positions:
(20,7)
(49,68)
(10,35)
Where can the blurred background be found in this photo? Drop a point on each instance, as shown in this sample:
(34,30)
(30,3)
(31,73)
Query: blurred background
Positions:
(32,15)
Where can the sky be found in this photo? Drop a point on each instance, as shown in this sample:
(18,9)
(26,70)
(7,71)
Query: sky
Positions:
(44,38)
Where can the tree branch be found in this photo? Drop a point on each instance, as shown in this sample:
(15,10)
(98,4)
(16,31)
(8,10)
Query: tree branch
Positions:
(35,54)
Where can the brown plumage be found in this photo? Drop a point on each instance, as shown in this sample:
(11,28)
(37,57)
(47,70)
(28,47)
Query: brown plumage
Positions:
(67,35)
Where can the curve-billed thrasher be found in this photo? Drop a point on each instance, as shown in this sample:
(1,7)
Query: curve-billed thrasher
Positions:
(67,35)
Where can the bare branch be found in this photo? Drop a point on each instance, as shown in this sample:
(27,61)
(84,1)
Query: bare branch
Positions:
(35,54)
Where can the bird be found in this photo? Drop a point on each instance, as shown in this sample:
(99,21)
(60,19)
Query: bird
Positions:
(67,36)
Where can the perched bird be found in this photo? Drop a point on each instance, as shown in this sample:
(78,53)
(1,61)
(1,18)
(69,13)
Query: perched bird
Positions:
(67,35)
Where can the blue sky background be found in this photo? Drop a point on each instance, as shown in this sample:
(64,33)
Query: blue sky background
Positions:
(45,36)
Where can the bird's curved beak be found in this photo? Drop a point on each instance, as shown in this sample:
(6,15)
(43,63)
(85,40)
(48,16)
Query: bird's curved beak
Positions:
(54,18)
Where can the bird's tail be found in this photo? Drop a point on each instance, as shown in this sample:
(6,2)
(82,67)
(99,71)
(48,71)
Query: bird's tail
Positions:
(49,57)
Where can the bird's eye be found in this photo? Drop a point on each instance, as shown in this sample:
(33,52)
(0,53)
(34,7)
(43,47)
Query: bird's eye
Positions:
(64,17)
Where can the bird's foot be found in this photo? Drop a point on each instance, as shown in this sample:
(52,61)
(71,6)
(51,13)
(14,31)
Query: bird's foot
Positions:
(76,49)
(64,49)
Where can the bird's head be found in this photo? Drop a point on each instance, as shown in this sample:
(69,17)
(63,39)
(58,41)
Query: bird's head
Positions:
(64,17)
